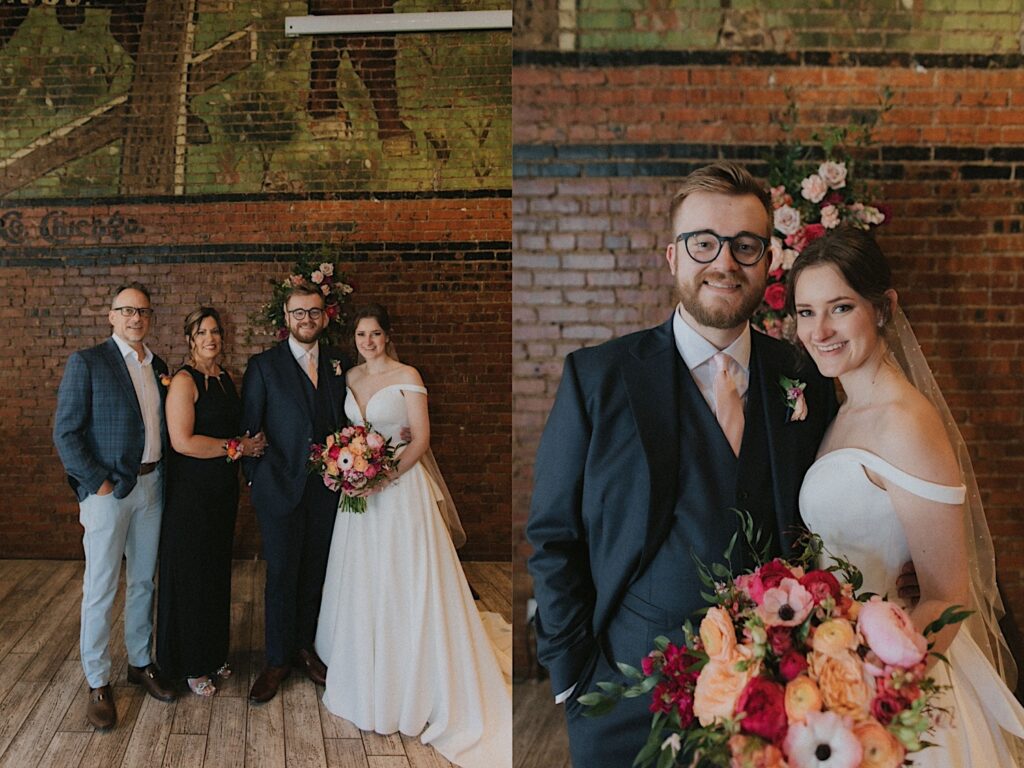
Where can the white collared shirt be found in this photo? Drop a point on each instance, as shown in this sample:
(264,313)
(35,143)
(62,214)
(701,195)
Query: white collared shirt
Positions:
(144,381)
(303,356)
(698,353)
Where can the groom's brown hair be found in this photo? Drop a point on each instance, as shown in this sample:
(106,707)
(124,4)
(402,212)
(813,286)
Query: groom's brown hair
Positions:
(724,178)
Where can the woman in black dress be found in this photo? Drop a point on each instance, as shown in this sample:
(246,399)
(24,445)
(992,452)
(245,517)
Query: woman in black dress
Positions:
(194,598)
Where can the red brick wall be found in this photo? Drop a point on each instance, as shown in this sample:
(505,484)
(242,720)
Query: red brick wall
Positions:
(601,141)
(449,300)
(392,151)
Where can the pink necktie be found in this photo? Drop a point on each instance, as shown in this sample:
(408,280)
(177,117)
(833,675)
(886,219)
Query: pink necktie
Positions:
(311,368)
(728,403)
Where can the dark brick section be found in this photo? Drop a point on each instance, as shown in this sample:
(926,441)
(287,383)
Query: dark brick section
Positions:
(635,160)
(718,58)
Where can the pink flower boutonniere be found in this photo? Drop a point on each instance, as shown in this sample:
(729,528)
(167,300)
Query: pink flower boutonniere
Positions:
(165,380)
(336,367)
(796,405)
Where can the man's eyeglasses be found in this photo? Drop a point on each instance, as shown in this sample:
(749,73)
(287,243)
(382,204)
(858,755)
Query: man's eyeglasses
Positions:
(300,314)
(143,312)
(703,246)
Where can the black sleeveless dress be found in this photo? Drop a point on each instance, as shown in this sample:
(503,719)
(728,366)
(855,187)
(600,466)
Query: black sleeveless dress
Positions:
(201,502)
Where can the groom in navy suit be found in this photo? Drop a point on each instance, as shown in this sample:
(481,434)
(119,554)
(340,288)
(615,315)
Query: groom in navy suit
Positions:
(109,431)
(652,438)
(294,393)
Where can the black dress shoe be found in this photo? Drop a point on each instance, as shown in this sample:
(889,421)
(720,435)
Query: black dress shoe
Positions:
(312,665)
(266,685)
(149,678)
(101,711)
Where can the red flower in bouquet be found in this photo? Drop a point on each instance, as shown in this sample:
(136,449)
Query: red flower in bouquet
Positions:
(785,664)
(354,460)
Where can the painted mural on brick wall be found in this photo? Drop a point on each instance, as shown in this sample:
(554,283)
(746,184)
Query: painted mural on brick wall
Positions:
(174,97)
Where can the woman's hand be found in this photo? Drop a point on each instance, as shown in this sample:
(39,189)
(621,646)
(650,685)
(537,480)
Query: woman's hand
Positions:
(254,446)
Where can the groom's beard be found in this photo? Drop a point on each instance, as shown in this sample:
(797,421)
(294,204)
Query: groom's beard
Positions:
(307,334)
(717,313)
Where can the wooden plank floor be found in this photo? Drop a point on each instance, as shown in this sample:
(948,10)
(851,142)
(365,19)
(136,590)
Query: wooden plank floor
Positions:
(539,738)
(43,692)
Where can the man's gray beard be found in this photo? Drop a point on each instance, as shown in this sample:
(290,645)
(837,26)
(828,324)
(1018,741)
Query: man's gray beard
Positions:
(722,319)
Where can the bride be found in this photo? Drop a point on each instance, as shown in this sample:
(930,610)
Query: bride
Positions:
(405,648)
(890,484)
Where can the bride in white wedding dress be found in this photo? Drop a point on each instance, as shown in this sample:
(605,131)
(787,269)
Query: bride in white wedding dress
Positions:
(405,647)
(890,484)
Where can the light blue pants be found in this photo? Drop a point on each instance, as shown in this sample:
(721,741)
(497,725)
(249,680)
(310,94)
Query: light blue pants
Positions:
(116,527)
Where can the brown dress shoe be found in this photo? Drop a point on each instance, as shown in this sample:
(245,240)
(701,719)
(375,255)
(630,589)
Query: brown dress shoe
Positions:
(101,711)
(266,685)
(149,678)
(312,665)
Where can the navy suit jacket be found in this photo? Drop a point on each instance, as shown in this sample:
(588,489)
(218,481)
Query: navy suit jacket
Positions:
(273,401)
(605,479)
(98,427)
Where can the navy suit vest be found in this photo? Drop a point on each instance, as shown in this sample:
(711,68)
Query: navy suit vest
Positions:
(711,481)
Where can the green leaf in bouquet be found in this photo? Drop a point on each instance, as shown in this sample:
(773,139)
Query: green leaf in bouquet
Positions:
(651,749)
(667,759)
(629,671)
(592,699)
(938,655)
(721,571)
(954,614)
(661,643)
(614,689)
(599,707)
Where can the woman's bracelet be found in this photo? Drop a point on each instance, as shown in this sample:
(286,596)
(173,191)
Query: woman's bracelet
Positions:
(233,449)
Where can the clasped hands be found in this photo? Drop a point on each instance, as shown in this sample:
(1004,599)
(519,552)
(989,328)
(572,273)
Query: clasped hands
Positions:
(253,446)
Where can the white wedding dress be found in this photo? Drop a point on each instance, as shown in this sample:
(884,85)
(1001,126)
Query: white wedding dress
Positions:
(855,519)
(405,647)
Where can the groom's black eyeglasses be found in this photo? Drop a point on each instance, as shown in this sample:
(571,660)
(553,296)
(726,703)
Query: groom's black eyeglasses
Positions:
(300,314)
(704,245)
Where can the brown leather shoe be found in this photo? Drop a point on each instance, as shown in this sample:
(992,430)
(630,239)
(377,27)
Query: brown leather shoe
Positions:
(101,711)
(266,685)
(149,678)
(312,665)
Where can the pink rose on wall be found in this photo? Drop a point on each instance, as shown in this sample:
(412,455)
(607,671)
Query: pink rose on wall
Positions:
(834,174)
(775,296)
(813,188)
(829,217)
(787,220)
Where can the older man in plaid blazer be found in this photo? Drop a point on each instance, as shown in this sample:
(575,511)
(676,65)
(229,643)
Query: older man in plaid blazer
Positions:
(110,433)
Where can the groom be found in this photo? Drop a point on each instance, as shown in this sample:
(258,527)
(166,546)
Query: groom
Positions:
(294,393)
(651,440)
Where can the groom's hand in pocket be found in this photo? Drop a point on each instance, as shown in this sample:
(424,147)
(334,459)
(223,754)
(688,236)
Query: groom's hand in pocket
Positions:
(906,584)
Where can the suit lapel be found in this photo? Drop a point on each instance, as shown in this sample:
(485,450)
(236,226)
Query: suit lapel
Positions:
(785,482)
(120,369)
(652,388)
(328,378)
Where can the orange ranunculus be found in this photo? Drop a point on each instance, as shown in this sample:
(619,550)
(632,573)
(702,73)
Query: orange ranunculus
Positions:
(845,686)
(834,637)
(747,752)
(360,464)
(802,696)
(881,748)
(718,687)
(718,635)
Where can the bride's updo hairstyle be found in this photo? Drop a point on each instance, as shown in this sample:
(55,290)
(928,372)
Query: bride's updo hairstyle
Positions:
(375,311)
(857,257)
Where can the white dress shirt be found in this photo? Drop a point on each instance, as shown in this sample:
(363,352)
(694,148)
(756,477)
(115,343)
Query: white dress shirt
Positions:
(304,356)
(148,395)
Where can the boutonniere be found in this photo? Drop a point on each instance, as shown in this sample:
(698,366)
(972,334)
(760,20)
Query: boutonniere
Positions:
(336,367)
(165,379)
(793,392)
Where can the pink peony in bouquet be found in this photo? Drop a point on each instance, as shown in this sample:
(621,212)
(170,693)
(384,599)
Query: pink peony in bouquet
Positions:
(353,460)
(789,668)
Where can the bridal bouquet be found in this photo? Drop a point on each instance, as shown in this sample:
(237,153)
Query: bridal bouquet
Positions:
(353,460)
(788,669)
